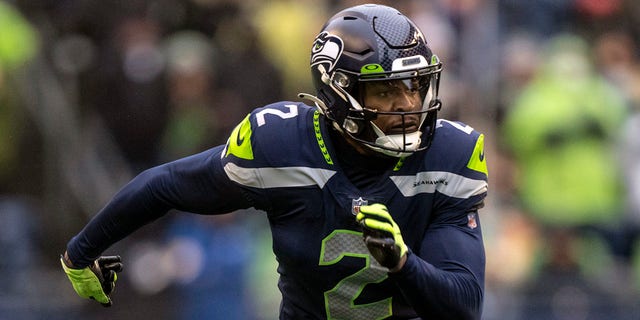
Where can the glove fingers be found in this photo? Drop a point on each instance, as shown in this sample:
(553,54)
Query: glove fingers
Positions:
(384,250)
(377,225)
(108,266)
(104,260)
(109,276)
(375,209)
(382,216)
(368,232)
(116,266)
(109,282)
(386,243)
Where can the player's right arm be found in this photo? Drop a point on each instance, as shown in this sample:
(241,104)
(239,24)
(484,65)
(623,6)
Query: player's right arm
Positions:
(195,184)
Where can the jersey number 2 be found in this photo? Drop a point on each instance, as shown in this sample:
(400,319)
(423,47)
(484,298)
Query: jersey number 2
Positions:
(293,112)
(340,301)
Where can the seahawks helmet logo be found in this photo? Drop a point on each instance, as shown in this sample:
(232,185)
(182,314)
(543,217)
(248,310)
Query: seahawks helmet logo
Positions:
(326,50)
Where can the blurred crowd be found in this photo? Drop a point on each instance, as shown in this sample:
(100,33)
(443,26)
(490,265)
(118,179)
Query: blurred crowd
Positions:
(93,92)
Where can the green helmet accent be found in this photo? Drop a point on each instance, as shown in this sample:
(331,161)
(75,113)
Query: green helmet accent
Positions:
(371,68)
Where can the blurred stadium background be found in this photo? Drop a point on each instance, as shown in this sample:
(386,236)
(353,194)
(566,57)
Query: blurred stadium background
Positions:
(92,92)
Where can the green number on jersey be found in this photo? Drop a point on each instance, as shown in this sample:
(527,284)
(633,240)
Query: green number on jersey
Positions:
(339,301)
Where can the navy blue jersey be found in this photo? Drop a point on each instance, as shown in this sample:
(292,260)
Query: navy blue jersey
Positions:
(281,159)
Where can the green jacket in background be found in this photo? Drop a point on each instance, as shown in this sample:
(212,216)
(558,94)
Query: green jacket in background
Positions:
(561,130)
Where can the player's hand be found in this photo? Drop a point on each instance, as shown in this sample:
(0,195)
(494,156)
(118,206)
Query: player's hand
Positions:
(382,235)
(96,281)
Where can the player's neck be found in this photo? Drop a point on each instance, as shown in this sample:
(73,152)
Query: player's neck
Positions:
(352,156)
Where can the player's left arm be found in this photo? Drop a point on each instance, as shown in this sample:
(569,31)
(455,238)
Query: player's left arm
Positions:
(444,276)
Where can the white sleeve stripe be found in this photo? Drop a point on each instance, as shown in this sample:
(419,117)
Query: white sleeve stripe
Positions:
(278,177)
(447,183)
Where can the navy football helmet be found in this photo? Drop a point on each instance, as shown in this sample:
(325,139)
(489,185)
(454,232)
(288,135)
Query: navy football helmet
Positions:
(374,43)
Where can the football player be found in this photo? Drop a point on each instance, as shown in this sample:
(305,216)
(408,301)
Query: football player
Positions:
(372,201)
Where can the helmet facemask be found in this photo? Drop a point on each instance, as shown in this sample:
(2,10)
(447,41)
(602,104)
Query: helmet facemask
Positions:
(413,129)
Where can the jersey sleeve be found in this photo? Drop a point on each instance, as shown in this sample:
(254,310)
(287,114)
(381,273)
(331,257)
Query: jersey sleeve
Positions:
(444,276)
(194,184)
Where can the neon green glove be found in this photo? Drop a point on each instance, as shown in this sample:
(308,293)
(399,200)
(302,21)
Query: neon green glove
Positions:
(96,281)
(382,235)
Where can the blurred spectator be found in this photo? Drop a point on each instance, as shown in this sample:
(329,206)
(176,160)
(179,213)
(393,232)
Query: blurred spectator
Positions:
(19,141)
(561,131)
(474,60)
(127,88)
(19,41)
(519,58)
(190,73)
(241,58)
(18,243)
(597,16)
(205,265)
(542,18)
(617,59)
(284,28)
(29,288)
(629,149)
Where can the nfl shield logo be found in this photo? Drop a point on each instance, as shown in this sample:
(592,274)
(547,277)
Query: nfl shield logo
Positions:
(356,204)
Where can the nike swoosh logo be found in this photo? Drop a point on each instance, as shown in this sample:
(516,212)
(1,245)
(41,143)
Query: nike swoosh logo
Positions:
(239,139)
(481,156)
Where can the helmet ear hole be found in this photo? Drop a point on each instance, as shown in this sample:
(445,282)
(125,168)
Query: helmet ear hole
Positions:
(351,126)
(341,79)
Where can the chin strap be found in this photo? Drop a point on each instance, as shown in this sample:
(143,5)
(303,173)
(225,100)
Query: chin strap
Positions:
(396,145)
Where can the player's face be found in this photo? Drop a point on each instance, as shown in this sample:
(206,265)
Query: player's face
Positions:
(394,96)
